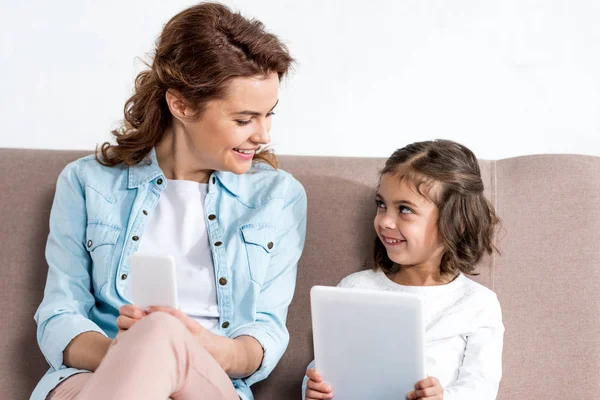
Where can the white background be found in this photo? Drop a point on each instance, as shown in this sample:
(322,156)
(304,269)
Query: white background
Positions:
(504,77)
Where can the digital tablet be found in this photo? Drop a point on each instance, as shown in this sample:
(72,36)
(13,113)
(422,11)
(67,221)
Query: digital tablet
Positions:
(368,344)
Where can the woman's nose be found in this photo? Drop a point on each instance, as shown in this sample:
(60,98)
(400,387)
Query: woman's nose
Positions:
(261,135)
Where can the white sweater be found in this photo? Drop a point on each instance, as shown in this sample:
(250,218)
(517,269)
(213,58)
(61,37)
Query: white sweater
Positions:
(463,333)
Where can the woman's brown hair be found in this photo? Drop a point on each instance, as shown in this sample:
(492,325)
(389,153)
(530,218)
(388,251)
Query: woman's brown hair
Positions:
(448,174)
(199,51)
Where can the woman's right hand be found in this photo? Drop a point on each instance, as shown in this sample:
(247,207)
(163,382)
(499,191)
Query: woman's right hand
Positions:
(316,389)
(129,315)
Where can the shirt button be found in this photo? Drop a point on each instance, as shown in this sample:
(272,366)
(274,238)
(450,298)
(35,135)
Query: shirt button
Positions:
(218,243)
(214,180)
(159,181)
(89,243)
(123,277)
(223,281)
(212,217)
(225,325)
(135,238)
(145,212)
(270,245)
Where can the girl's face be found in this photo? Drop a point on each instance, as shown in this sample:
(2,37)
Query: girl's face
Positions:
(230,131)
(407,224)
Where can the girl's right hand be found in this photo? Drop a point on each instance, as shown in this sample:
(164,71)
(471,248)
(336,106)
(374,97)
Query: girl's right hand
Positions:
(316,389)
(129,315)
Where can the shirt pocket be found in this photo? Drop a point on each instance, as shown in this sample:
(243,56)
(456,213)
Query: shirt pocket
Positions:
(101,242)
(259,240)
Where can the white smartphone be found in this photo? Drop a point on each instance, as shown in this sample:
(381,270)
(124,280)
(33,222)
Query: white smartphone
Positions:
(153,280)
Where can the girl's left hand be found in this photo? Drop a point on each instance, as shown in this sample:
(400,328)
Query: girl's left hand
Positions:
(427,389)
(218,346)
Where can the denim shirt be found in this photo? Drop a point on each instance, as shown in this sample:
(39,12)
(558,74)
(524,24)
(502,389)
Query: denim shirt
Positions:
(256,225)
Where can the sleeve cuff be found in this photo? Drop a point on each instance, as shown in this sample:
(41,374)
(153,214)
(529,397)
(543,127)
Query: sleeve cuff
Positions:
(60,331)
(272,352)
(305,380)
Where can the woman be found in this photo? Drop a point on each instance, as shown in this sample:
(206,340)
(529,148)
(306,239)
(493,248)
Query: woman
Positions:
(186,178)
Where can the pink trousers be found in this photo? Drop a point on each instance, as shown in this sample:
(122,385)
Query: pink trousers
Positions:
(157,358)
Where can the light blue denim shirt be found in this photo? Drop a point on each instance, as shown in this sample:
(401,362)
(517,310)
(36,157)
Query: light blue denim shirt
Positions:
(256,225)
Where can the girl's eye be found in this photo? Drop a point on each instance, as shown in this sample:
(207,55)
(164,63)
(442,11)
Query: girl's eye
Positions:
(380,204)
(405,210)
(243,122)
(270,114)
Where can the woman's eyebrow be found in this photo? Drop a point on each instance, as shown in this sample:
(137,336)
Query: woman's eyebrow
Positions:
(254,113)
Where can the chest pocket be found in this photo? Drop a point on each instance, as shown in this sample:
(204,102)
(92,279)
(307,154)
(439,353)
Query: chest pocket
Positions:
(100,242)
(259,240)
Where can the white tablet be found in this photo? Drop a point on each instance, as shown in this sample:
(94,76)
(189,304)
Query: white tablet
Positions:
(368,344)
(153,280)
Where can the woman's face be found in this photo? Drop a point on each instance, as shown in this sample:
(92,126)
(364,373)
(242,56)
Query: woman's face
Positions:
(228,133)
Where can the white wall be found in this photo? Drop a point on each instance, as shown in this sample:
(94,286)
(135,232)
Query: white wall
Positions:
(505,77)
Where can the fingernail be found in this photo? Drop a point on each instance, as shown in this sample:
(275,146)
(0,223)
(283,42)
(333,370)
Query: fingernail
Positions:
(148,310)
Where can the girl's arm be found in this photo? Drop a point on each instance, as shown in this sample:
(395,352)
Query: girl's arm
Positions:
(481,370)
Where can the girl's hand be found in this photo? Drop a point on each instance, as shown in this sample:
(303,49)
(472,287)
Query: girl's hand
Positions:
(316,389)
(219,347)
(129,315)
(427,389)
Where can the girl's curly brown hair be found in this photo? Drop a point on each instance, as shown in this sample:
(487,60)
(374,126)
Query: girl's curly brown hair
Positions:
(467,220)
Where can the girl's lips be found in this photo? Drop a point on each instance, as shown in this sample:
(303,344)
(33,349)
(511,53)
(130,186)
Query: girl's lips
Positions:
(388,241)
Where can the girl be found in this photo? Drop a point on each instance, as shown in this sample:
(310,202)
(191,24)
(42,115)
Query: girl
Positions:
(433,225)
(186,178)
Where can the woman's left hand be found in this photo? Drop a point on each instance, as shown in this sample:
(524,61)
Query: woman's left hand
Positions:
(129,314)
(219,347)
(427,389)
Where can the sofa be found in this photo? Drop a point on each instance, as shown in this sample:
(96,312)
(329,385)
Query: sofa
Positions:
(547,277)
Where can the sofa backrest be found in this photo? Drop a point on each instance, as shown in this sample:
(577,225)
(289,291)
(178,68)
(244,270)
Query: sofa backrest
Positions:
(547,278)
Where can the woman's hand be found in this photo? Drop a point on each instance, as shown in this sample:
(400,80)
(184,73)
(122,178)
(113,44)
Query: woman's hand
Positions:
(427,389)
(315,388)
(219,347)
(129,315)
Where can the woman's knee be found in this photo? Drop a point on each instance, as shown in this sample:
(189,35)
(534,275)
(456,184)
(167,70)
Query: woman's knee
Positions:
(157,327)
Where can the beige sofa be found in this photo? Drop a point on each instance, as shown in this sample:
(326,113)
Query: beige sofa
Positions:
(547,278)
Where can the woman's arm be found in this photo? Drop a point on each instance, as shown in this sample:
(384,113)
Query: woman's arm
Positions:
(276,294)
(247,356)
(239,357)
(63,314)
(86,351)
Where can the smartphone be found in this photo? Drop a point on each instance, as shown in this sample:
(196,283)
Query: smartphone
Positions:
(153,280)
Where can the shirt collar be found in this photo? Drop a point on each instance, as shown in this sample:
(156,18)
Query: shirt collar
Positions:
(229,180)
(148,170)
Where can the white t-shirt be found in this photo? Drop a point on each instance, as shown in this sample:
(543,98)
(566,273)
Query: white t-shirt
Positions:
(177,227)
(463,333)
